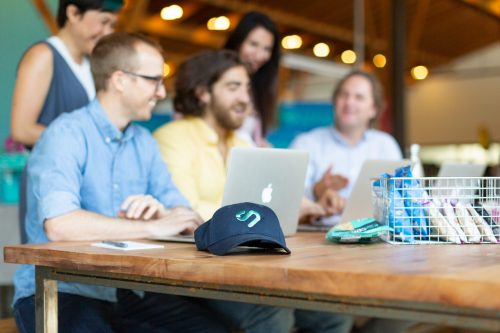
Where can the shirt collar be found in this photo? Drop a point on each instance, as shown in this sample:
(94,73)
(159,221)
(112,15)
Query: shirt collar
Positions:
(209,133)
(109,132)
(337,136)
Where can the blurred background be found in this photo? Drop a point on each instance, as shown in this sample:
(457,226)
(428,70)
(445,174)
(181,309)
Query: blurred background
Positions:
(439,62)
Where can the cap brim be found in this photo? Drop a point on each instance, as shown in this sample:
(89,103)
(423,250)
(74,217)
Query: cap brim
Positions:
(222,247)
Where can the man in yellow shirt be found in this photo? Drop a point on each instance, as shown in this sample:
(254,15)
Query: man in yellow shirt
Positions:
(212,93)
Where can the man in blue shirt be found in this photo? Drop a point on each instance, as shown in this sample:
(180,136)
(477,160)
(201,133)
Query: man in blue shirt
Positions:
(94,175)
(336,153)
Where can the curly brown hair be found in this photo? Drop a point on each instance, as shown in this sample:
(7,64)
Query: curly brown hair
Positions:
(201,71)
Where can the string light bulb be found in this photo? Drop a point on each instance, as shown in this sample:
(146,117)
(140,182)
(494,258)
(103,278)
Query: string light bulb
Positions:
(379,60)
(167,70)
(348,57)
(291,42)
(218,23)
(321,50)
(172,12)
(419,72)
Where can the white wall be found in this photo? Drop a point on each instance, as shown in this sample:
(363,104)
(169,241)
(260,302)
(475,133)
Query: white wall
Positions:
(313,79)
(451,105)
(20,26)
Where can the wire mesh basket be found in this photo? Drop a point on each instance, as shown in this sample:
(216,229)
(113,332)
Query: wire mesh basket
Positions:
(457,210)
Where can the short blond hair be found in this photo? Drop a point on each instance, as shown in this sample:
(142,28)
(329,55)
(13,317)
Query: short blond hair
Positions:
(115,52)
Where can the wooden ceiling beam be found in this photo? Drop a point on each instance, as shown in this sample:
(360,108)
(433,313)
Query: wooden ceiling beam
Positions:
(46,15)
(189,10)
(416,29)
(315,27)
(490,8)
(195,35)
(132,15)
(372,30)
(286,19)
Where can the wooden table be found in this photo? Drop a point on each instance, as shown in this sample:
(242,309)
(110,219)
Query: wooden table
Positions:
(446,284)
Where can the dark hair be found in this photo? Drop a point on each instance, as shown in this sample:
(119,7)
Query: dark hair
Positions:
(201,71)
(377,93)
(115,52)
(265,80)
(85,5)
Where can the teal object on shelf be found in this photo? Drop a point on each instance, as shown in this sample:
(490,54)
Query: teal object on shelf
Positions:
(11,168)
(306,115)
(156,121)
(299,117)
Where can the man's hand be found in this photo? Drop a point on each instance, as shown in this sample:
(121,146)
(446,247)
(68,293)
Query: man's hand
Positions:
(176,221)
(332,202)
(329,181)
(310,211)
(141,207)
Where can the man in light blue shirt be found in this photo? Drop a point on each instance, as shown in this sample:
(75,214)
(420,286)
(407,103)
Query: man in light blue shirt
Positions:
(94,175)
(336,153)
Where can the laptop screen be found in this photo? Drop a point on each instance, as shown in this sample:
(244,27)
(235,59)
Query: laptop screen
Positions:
(268,176)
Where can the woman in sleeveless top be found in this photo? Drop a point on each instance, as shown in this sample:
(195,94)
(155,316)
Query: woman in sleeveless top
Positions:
(54,75)
(256,39)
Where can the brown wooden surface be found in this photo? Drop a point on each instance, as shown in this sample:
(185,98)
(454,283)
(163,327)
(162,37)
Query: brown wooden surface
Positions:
(8,325)
(456,275)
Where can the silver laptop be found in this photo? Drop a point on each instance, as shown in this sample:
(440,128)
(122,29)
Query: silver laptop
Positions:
(271,177)
(450,184)
(359,204)
(176,238)
(454,169)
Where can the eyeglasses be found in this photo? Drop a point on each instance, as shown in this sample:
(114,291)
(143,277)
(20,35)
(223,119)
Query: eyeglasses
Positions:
(158,80)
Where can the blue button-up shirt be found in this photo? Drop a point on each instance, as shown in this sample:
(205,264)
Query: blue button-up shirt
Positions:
(327,147)
(82,161)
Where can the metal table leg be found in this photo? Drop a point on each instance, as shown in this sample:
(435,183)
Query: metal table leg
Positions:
(45,302)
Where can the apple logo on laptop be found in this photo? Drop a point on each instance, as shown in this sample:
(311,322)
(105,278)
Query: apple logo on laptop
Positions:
(267,193)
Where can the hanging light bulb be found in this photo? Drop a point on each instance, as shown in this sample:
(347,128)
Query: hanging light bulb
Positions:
(348,57)
(419,72)
(218,23)
(291,42)
(172,12)
(167,69)
(321,50)
(379,60)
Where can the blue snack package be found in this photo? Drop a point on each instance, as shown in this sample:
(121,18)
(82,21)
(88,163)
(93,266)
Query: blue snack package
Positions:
(415,199)
(397,215)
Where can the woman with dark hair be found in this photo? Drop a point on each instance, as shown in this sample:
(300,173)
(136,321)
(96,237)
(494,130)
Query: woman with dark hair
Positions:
(256,40)
(54,75)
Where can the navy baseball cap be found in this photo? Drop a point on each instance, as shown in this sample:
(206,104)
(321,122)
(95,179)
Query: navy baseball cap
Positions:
(242,224)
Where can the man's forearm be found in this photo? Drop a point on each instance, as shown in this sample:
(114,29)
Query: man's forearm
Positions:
(85,225)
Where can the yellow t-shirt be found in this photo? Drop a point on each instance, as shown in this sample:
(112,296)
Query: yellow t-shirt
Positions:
(189,148)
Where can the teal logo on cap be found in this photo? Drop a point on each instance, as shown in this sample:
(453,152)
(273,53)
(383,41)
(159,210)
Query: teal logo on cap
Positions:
(244,216)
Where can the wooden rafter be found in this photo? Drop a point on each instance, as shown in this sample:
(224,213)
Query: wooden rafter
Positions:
(132,15)
(371,28)
(194,35)
(416,29)
(313,26)
(46,15)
